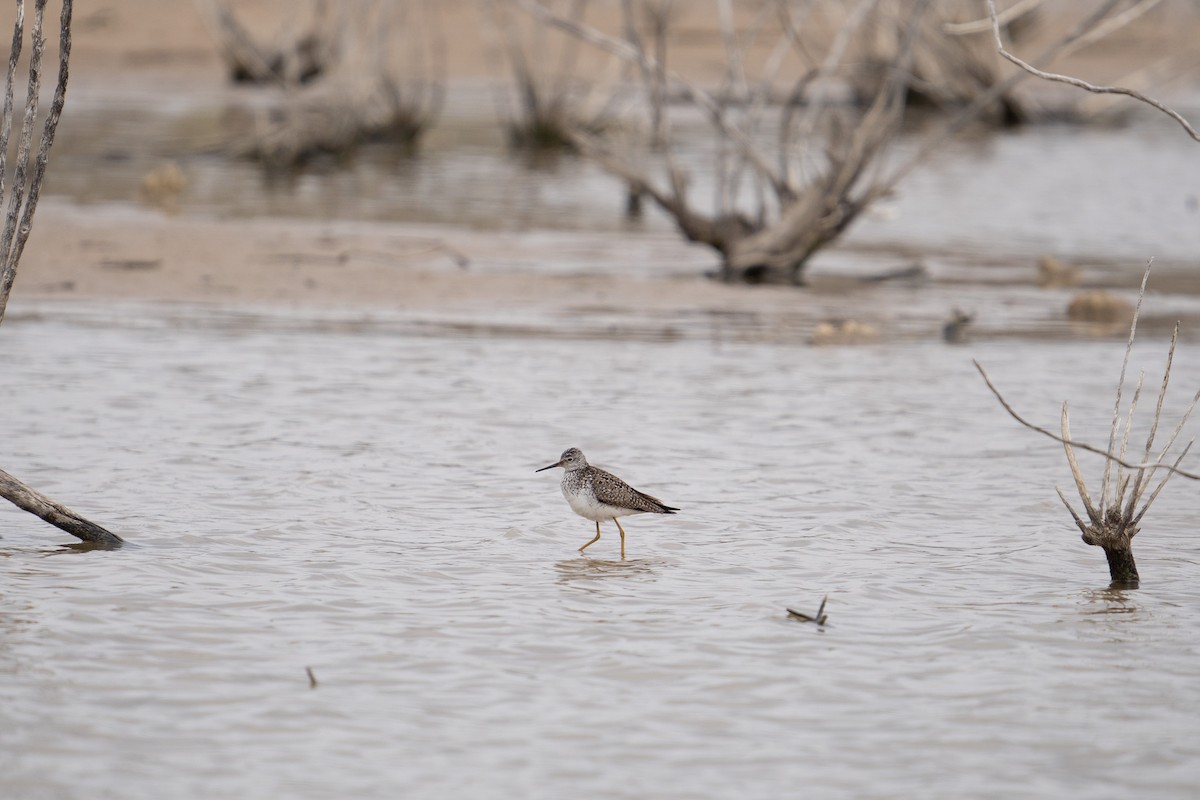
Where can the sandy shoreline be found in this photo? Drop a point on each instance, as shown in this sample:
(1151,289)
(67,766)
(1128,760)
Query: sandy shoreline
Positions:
(126,252)
(648,284)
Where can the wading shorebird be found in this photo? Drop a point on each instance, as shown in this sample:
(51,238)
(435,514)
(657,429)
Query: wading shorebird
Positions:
(597,495)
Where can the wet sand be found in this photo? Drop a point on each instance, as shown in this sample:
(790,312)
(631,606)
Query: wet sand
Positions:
(136,254)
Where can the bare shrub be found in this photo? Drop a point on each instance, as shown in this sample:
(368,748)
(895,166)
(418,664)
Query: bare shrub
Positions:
(1112,522)
(551,92)
(298,53)
(389,87)
(790,177)
(788,180)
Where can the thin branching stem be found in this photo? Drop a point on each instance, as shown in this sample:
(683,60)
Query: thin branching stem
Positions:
(936,142)
(1081,84)
(638,55)
(1076,473)
(1122,478)
(1162,393)
(1161,484)
(1116,418)
(1081,445)
(1078,520)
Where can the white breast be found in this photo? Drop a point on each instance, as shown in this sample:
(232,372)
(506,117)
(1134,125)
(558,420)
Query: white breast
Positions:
(585,504)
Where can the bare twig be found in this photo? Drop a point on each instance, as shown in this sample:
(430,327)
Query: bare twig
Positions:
(819,618)
(1161,484)
(1081,84)
(937,141)
(638,55)
(1009,14)
(1076,473)
(312,679)
(1081,445)
(1116,419)
(1078,521)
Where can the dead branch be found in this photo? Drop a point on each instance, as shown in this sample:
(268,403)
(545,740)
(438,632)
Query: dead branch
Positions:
(1081,84)
(22,203)
(820,618)
(1073,443)
(636,54)
(935,142)
(56,514)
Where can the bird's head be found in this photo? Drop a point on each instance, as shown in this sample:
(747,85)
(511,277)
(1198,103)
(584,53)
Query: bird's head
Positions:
(570,459)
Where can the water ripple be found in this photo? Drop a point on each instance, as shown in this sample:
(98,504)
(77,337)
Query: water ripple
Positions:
(365,505)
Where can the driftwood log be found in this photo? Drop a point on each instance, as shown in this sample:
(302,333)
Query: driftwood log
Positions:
(22,199)
(56,514)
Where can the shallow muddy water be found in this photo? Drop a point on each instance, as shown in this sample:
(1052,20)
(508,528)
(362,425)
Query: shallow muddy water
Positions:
(365,505)
(1108,196)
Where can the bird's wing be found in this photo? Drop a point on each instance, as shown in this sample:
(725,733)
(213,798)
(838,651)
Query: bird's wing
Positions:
(611,490)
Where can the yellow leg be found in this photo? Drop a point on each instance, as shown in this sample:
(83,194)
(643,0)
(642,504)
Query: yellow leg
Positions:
(622,530)
(593,541)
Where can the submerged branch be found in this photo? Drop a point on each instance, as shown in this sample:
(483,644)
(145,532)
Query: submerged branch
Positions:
(56,514)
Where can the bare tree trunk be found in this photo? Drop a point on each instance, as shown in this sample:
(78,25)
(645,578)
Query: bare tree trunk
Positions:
(1121,569)
(18,221)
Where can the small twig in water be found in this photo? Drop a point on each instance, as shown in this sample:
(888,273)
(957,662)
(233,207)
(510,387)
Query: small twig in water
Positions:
(312,679)
(820,617)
